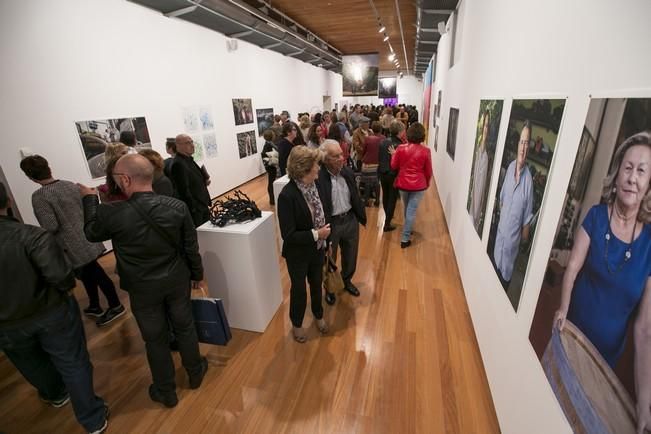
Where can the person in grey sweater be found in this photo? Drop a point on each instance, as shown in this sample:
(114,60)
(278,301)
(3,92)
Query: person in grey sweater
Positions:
(57,207)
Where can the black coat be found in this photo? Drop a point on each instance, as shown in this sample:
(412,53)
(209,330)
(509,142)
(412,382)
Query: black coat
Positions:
(190,184)
(355,200)
(34,274)
(284,148)
(146,260)
(295,220)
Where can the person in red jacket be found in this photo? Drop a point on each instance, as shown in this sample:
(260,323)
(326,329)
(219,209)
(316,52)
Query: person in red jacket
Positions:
(413,161)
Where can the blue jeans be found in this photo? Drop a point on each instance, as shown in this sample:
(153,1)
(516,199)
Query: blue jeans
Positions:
(410,201)
(51,354)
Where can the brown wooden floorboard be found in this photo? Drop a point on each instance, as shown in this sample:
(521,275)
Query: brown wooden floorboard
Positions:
(402,358)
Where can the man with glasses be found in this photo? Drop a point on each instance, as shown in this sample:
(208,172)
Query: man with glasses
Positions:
(157,257)
(516,210)
(189,181)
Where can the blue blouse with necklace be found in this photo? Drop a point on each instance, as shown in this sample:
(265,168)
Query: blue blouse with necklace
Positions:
(610,285)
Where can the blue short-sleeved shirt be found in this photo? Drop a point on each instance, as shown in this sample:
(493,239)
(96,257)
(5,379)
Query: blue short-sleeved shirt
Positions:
(516,201)
(602,302)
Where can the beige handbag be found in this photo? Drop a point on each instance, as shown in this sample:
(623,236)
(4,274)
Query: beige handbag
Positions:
(332,281)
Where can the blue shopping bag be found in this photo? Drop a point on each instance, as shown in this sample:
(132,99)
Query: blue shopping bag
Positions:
(210,321)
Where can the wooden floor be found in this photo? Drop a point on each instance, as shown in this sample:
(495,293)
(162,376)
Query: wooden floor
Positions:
(402,358)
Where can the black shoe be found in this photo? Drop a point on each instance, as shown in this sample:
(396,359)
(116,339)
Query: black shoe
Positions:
(168,400)
(352,290)
(110,315)
(59,402)
(389,228)
(93,311)
(102,429)
(405,244)
(330,298)
(195,380)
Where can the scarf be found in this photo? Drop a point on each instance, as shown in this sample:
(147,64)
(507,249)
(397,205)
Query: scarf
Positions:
(311,195)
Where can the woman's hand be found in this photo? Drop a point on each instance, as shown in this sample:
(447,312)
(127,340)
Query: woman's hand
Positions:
(324,232)
(559,319)
(643,419)
(392,150)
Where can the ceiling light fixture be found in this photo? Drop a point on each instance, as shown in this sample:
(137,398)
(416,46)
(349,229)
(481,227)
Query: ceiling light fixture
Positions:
(392,56)
(386,38)
(382,29)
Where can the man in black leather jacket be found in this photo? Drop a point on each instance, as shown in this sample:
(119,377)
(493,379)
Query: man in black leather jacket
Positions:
(40,324)
(189,181)
(157,255)
(344,212)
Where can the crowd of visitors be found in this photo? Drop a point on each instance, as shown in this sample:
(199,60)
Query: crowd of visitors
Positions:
(149,208)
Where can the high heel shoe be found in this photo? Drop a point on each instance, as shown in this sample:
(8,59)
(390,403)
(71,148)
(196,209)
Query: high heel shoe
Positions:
(322,326)
(299,335)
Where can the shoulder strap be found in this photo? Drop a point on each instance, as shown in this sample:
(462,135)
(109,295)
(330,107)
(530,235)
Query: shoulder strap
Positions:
(153,224)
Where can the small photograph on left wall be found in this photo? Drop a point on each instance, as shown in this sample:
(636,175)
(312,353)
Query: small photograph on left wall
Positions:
(246,144)
(95,135)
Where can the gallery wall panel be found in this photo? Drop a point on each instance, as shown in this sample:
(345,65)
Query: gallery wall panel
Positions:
(512,63)
(118,59)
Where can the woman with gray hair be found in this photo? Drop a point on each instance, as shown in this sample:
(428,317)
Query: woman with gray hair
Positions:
(304,231)
(607,282)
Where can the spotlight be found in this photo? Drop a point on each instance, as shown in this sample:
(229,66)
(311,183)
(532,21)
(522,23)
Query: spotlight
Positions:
(382,29)
(392,56)
(386,38)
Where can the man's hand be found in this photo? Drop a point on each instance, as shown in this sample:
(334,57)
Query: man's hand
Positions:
(324,232)
(86,191)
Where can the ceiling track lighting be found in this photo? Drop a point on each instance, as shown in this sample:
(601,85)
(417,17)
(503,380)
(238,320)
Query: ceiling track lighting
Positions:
(386,38)
(382,29)
(392,56)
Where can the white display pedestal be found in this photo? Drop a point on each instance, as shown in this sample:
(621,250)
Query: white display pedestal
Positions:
(240,264)
(279,184)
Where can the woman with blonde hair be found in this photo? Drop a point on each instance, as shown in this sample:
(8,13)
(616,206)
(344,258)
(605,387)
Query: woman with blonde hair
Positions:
(607,283)
(304,231)
(304,123)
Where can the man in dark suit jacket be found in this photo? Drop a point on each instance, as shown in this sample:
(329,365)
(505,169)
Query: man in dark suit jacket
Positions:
(285,146)
(189,181)
(343,210)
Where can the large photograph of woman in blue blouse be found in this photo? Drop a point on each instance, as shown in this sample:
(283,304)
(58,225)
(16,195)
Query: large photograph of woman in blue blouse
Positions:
(599,273)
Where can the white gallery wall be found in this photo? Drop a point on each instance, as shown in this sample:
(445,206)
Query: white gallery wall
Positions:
(527,49)
(75,60)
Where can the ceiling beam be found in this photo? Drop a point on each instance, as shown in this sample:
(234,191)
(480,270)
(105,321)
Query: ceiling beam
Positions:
(179,12)
(274,45)
(427,42)
(240,34)
(438,11)
(295,53)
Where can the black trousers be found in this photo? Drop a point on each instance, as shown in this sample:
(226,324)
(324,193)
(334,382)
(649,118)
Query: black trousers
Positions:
(389,196)
(92,275)
(152,308)
(271,177)
(345,234)
(299,269)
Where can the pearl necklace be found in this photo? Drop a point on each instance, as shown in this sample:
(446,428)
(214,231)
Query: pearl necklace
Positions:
(628,254)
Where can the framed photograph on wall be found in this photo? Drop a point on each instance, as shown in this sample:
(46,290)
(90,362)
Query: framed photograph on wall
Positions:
(246,144)
(96,135)
(451,146)
(265,118)
(531,138)
(242,111)
(387,87)
(360,74)
(610,279)
(486,132)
